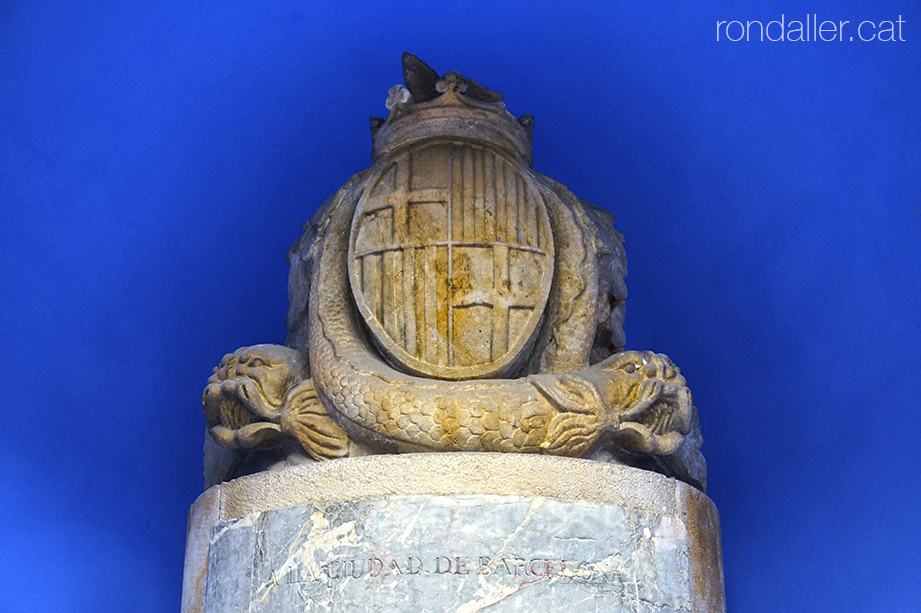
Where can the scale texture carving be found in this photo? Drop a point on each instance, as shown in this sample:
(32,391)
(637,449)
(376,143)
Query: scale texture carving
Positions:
(450,298)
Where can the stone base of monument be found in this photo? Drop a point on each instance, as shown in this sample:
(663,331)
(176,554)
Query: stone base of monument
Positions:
(459,532)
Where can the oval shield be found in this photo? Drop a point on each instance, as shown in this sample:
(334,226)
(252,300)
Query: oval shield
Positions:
(451,261)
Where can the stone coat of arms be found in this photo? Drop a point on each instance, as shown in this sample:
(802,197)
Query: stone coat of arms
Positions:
(450,298)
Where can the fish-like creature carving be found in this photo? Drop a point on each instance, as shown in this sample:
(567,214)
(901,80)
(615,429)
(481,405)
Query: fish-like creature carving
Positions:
(341,387)
(640,398)
(637,399)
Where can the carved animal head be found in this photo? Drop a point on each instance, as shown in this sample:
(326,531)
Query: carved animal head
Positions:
(250,384)
(648,387)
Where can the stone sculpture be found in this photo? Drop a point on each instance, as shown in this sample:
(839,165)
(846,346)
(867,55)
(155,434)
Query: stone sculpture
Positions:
(450,298)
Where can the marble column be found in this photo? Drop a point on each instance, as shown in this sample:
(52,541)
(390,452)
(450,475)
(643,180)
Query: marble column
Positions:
(458,532)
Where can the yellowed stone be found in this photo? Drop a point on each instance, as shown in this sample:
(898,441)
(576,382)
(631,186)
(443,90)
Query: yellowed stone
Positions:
(450,298)
(451,258)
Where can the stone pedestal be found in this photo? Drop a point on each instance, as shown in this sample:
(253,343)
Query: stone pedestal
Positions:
(453,532)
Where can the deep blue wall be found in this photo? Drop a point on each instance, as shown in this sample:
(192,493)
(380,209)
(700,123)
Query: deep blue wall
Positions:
(158,158)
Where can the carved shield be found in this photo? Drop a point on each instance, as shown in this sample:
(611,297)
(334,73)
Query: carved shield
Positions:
(451,261)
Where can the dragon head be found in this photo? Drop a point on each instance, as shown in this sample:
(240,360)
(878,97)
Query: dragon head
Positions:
(651,397)
(250,384)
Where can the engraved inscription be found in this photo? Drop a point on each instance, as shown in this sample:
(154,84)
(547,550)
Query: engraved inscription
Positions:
(416,551)
(383,567)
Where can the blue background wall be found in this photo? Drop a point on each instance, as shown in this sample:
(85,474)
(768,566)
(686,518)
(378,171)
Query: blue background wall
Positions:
(158,158)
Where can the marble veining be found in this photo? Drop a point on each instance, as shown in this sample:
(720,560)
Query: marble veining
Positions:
(440,553)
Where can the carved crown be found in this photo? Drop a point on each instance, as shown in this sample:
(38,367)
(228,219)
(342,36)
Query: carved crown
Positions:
(453,114)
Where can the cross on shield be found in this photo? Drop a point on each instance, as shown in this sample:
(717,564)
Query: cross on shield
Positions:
(451,261)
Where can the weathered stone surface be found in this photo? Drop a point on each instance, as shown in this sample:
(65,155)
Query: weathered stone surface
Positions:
(448,553)
(454,532)
(450,261)
(450,298)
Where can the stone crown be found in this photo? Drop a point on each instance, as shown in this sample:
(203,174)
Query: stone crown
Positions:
(451,115)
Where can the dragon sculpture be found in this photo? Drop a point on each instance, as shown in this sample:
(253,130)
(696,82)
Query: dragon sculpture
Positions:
(450,298)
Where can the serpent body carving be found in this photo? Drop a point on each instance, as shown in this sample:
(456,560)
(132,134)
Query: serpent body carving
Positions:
(388,330)
(558,414)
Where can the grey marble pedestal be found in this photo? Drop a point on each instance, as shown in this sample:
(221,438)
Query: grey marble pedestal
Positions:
(453,532)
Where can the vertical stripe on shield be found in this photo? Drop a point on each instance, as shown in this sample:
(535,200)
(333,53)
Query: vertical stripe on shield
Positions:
(429,307)
(409,301)
(450,260)
(500,315)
